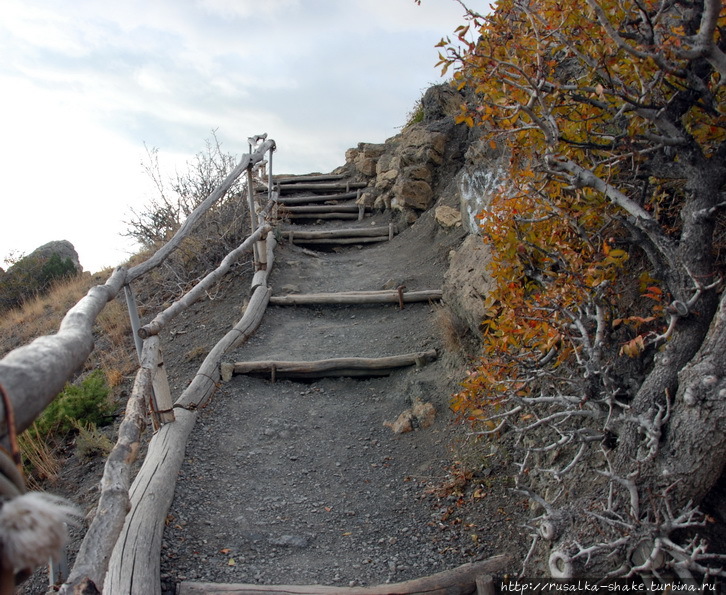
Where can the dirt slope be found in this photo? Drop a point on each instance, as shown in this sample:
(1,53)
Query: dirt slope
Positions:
(302,483)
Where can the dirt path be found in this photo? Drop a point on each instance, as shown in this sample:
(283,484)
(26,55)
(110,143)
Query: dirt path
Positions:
(302,483)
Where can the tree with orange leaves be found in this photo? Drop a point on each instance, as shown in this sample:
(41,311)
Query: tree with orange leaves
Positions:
(604,348)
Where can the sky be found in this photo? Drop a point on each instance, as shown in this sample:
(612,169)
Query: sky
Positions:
(88,85)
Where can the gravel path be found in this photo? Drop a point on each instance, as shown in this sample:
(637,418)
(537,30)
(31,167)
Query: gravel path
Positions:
(301,483)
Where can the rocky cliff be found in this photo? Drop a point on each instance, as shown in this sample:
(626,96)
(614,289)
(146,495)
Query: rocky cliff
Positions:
(436,163)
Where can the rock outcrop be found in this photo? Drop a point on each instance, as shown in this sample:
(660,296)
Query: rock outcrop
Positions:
(436,163)
(34,274)
(404,172)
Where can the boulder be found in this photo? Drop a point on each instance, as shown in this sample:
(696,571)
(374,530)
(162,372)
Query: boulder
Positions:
(416,194)
(467,282)
(365,158)
(440,102)
(447,217)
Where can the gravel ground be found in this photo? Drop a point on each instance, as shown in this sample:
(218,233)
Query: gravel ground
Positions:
(301,483)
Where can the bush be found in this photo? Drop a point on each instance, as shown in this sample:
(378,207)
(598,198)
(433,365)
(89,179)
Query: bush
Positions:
(84,403)
(33,276)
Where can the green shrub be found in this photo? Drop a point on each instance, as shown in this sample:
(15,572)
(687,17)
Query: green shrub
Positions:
(54,269)
(83,403)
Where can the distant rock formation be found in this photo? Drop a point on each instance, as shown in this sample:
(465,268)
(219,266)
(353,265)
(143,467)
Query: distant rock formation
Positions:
(63,248)
(35,273)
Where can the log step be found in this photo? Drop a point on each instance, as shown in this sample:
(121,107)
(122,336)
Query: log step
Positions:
(308,178)
(365,367)
(321,188)
(390,296)
(301,200)
(312,209)
(340,216)
(458,581)
(339,237)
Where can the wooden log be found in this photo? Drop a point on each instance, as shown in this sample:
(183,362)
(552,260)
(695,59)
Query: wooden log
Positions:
(485,585)
(113,505)
(301,200)
(194,294)
(248,160)
(135,562)
(342,366)
(362,297)
(341,241)
(458,581)
(205,381)
(308,178)
(352,232)
(313,209)
(336,215)
(35,373)
(321,188)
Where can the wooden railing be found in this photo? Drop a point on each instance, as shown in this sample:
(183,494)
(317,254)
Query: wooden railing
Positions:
(126,530)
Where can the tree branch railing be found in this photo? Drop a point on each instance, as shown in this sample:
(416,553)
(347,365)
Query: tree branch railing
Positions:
(34,374)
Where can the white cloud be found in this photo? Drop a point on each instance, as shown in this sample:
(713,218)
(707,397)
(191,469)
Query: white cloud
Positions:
(93,81)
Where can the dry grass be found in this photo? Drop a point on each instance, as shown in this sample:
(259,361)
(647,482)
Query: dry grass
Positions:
(42,315)
(452,330)
(41,463)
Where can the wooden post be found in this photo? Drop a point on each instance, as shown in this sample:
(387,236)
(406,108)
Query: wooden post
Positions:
(269,178)
(163,407)
(58,571)
(134,318)
(253,211)
(390,231)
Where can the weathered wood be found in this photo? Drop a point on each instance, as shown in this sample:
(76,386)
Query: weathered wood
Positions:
(332,215)
(321,188)
(35,373)
(301,200)
(362,297)
(136,558)
(352,232)
(342,366)
(248,160)
(113,505)
(458,581)
(314,209)
(161,405)
(308,178)
(194,294)
(340,241)
(485,585)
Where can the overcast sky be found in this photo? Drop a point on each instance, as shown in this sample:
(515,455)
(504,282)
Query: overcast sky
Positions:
(87,84)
